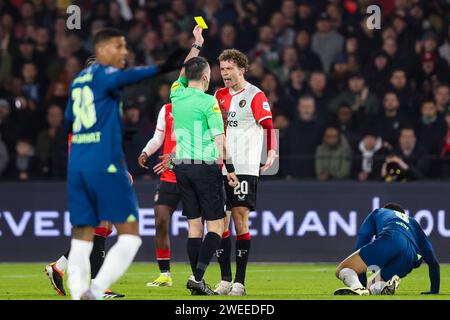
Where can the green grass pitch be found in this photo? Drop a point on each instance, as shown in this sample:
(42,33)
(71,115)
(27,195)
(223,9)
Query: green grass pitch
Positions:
(27,281)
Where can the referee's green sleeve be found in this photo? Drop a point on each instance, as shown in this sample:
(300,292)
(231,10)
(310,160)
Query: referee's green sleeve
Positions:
(178,87)
(214,118)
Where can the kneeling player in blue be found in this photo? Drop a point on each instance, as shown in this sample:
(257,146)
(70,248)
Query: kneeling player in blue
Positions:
(400,245)
(98,185)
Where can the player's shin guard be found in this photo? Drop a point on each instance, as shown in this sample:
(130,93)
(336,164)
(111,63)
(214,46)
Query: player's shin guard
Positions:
(163,258)
(242,253)
(209,246)
(223,254)
(98,251)
(193,249)
(78,267)
(116,262)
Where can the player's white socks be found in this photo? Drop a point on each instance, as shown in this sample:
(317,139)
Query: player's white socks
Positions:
(377,287)
(350,278)
(79,267)
(116,262)
(61,264)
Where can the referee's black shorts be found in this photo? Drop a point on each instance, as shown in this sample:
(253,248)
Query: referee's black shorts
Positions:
(201,188)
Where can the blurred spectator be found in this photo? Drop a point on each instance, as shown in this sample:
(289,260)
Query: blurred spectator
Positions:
(179,13)
(445,149)
(265,50)
(340,72)
(318,89)
(347,123)
(289,61)
(283,34)
(271,87)
(333,157)
(431,73)
(357,96)
(288,11)
(302,138)
(136,135)
(226,40)
(444,49)
(51,144)
(308,59)
(369,157)
(26,54)
(442,98)
(26,161)
(150,50)
(305,20)
(8,128)
(430,131)
(326,41)
(4,156)
(390,121)
(409,99)
(408,161)
(377,73)
(255,73)
(31,86)
(294,89)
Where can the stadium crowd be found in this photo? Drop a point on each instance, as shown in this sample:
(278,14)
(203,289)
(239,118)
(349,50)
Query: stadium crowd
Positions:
(350,102)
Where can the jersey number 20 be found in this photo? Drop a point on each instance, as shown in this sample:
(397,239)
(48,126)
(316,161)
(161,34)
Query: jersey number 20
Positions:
(83,108)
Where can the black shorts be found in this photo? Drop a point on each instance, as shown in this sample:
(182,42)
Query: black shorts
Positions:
(201,189)
(167,194)
(243,195)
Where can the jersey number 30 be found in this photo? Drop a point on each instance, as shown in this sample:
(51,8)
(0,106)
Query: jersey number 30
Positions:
(83,108)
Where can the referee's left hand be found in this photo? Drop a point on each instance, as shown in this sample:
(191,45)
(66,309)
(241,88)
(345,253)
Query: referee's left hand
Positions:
(233,181)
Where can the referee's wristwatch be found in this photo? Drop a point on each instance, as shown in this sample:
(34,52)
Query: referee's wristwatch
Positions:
(196,46)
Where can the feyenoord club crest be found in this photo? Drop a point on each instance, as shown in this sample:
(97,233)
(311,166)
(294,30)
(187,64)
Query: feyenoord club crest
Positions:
(242,103)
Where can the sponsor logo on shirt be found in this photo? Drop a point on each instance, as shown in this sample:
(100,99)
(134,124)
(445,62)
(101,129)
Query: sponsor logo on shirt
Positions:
(216,108)
(266,106)
(175,86)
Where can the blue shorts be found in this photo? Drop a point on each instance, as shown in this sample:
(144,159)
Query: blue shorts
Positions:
(100,196)
(392,252)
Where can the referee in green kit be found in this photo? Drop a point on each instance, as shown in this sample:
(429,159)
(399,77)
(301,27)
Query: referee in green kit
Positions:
(199,130)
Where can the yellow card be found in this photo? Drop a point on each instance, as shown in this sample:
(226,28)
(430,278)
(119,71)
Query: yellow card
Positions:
(201,22)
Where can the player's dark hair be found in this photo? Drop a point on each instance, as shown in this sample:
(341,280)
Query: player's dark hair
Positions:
(394,206)
(195,67)
(106,34)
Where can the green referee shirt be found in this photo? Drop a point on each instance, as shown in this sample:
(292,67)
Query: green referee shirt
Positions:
(197,119)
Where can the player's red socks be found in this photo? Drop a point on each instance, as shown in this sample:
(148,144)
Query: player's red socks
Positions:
(223,254)
(242,253)
(163,258)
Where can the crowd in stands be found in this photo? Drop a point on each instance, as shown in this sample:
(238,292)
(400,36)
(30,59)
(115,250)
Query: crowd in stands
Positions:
(351,102)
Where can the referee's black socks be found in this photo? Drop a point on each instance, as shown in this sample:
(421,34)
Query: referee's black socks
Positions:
(209,246)
(193,249)
(242,252)
(223,254)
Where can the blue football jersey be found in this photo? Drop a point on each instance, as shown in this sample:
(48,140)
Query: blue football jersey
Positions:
(389,220)
(93,116)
